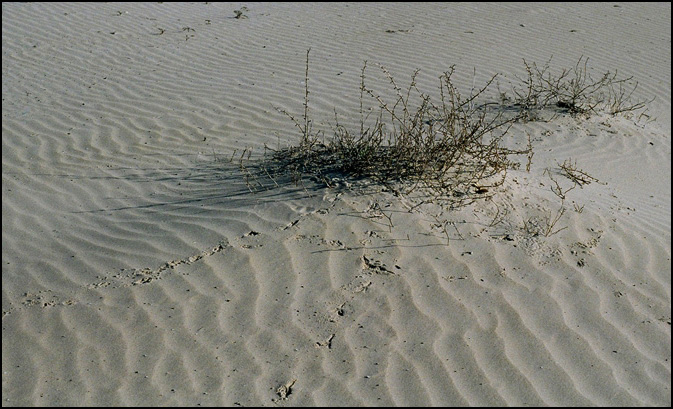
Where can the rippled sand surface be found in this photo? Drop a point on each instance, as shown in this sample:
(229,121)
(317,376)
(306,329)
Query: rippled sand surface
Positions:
(138,267)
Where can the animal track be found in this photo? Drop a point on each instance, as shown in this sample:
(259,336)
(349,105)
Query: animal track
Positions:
(127,278)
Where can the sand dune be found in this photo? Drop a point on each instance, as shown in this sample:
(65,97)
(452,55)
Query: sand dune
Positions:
(140,269)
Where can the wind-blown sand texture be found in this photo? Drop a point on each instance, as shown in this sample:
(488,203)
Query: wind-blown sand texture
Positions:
(139,269)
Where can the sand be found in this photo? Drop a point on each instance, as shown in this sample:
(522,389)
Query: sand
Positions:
(139,269)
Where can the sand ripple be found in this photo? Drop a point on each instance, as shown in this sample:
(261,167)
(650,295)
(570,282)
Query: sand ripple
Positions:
(139,268)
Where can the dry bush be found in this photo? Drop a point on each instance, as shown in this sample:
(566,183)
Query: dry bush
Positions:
(544,225)
(577,175)
(574,91)
(449,150)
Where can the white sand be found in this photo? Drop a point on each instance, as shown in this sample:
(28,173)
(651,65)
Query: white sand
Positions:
(139,270)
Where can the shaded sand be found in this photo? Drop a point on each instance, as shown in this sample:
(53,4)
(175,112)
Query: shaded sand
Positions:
(138,268)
